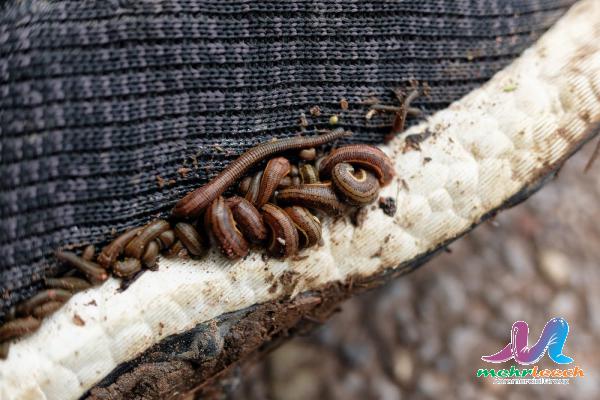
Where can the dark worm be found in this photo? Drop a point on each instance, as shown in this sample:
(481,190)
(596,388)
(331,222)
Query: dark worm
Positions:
(91,269)
(284,240)
(109,253)
(248,219)
(366,156)
(190,238)
(357,187)
(136,247)
(276,169)
(308,226)
(194,202)
(219,220)
(320,196)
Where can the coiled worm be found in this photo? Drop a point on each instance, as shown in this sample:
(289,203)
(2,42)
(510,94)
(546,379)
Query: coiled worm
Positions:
(194,202)
(284,240)
(166,239)
(219,220)
(110,252)
(320,196)
(357,187)
(366,156)
(136,247)
(275,170)
(308,226)
(190,238)
(91,269)
(248,219)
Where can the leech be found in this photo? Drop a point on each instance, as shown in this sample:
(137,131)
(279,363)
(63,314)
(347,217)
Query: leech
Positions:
(244,185)
(308,226)
(357,187)
(166,239)
(308,174)
(248,219)
(69,283)
(42,297)
(317,195)
(151,254)
(369,157)
(43,310)
(275,170)
(91,269)
(89,252)
(18,327)
(221,223)
(113,250)
(190,238)
(136,247)
(284,236)
(194,202)
(127,267)
(254,188)
(308,154)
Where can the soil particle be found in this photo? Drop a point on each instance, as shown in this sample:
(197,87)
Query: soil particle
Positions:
(388,205)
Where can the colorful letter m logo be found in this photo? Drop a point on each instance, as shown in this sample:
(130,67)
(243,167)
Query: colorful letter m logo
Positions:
(553,338)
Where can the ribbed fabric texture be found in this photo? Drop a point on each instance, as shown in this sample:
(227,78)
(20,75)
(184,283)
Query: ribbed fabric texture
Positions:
(98,98)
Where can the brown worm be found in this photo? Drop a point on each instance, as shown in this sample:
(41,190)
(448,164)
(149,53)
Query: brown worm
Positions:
(110,252)
(357,187)
(194,202)
(166,239)
(190,238)
(127,268)
(136,247)
(42,297)
(308,226)
(88,252)
(69,283)
(285,182)
(308,174)
(248,219)
(284,240)
(308,154)
(91,269)
(254,188)
(176,250)
(18,327)
(317,195)
(43,310)
(366,156)
(220,221)
(275,170)
(151,254)
(244,185)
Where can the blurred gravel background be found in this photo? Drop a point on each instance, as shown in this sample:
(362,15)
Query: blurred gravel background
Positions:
(422,336)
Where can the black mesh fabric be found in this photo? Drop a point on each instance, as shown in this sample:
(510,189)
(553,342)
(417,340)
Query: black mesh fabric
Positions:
(97,98)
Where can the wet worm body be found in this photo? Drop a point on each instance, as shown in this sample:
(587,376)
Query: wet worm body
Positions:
(309,174)
(308,226)
(276,169)
(190,238)
(219,220)
(244,185)
(254,187)
(308,154)
(151,254)
(43,310)
(368,157)
(248,219)
(136,247)
(109,254)
(88,252)
(320,196)
(91,269)
(127,267)
(42,297)
(284,240)
(18,327)
(357,187)
(72,284)
(166,239)
(194,202)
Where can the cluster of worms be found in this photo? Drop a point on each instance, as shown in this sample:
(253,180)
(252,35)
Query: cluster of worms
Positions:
(277,208)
